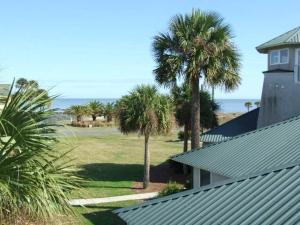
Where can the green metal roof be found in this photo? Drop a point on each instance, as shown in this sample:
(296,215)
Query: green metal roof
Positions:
(267,198)
(291,37)
(239,125)
(4,90)
(248,153)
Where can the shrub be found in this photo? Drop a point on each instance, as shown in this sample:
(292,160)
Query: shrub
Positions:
(171,188)
(92,123)
(35,178)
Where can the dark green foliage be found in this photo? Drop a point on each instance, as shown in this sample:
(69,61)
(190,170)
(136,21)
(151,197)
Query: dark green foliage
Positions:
(171,188)
(145,111)
(109,111)
(182,100)
(208,116)
(95,108)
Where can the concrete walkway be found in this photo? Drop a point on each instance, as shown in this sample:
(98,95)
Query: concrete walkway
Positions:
(92,201)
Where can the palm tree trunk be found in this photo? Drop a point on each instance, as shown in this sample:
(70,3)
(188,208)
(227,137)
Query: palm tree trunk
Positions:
(94,117)
(146,163)
(185,145)
(195,116)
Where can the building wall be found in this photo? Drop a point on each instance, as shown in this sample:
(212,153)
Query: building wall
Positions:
(280,98)
(214,178)
(289,66)
(196,177)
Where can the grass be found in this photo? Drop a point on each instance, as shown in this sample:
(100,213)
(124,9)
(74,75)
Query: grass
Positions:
(102,214)
(110,164)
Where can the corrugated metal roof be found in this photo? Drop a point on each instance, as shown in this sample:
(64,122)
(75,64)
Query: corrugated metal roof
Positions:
(291,37)
(258,150)
(268,198)
(239,125)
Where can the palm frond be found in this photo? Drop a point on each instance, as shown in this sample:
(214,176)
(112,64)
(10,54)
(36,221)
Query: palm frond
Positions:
(34,178)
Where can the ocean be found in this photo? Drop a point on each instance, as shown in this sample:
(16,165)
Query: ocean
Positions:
(226,105)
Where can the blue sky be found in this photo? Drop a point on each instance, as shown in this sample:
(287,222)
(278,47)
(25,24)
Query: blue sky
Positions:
(102,49)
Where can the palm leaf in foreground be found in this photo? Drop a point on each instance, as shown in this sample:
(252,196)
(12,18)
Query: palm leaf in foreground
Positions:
(34,177)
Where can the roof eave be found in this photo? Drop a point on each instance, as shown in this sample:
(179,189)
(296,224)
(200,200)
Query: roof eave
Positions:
(265,49)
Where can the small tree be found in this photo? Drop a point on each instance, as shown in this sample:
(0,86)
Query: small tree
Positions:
(109,110)
(182,99)
(248,105)
(96,108)
(257,104)
(21,83)
(77,110)
(147,112)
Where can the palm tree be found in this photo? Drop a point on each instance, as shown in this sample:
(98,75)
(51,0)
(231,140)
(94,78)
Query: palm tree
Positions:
(34,177)
(182,101)
(248,105)
(109,111)
(198,45)
(96,108)
(34,84)
(21,83)
(257,104)
(147,112)
(77,110)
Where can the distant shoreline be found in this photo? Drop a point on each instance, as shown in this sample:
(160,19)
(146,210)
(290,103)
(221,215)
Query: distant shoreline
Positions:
(226,105)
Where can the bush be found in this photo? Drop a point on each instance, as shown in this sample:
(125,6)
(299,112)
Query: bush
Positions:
(171,188)
(92,123)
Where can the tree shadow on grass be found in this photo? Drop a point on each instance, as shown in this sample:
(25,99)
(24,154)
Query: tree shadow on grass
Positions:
(110,172)
(161,173)
(104,217)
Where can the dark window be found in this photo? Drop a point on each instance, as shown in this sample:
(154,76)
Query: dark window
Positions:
(204,177)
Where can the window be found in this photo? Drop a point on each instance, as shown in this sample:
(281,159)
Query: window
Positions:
(204,177)
(279,56)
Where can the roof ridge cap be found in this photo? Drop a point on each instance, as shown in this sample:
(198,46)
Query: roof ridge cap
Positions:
(258,47)
(297,29)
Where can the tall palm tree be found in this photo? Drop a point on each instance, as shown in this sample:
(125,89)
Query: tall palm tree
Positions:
(198,45)
(147,112)
(248,105)
(77,110)
(109,110)
(96,108)
(34,177)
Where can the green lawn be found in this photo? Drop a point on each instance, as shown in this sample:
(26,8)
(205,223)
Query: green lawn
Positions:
(110,164)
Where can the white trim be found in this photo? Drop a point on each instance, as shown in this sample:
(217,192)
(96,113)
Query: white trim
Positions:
(279,56)
(296,68)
